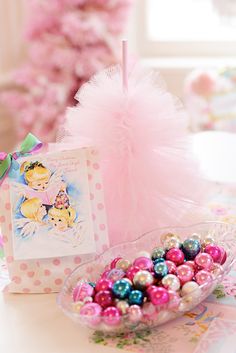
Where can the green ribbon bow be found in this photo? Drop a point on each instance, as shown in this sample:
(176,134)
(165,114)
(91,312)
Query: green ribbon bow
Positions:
(9,161)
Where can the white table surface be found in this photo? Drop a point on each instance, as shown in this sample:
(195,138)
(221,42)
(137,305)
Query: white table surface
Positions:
(34,324)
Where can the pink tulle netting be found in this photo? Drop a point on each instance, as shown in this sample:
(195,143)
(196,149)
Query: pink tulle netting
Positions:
(150,178)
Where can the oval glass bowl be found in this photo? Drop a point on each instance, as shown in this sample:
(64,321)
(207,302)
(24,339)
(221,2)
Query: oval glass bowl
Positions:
(224,234)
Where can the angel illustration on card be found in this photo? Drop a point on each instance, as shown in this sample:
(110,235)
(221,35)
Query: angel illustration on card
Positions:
(32,213)
(39,182)
(51,208)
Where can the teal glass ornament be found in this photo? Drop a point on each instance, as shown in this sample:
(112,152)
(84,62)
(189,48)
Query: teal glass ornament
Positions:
(157,253)
(121,289)
(190,248)
(136,297)
(92,284)
(157,261)
(160,270)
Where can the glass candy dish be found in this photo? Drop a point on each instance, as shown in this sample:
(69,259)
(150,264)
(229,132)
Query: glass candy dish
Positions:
(224,235)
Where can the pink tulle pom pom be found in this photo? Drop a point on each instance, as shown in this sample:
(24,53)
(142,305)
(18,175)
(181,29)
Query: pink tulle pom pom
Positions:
(149,178)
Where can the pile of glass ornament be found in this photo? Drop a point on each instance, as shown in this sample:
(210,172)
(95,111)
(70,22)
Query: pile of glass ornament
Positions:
(153,284)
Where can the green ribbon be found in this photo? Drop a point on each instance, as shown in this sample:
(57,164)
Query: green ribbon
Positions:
(8,161)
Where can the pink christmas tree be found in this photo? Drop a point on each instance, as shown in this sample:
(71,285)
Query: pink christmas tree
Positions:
(68,41)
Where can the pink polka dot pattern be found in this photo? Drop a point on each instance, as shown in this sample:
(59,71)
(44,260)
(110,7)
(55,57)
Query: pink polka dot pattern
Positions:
(58,281)
(96,237)
(56,262)
(91,196)
(67,271)
(93,216)
(10,227)
(30,274)
(23,266)
(102,227)
(2,219)
(88,163)
(4,239)
(89,269)
(9,259)
(47,272)
(90,177)
(8,206)
(100,206)
(16,279)
(98,186)
(77,260)
(26,290)
(96,166)
(47,290)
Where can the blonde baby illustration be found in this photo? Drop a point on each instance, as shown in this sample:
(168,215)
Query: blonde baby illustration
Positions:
(64,220)
(33,213)
(40,183)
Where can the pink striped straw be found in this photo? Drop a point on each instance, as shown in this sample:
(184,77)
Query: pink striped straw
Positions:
(125,64)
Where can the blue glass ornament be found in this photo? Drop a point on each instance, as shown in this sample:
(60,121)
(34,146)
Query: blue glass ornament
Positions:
(121,289)
(157,261)
(190,248)
(136,297)
(160,269)
(157,253)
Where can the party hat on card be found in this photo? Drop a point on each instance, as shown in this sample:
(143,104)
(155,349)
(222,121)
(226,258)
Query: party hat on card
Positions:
(150,180)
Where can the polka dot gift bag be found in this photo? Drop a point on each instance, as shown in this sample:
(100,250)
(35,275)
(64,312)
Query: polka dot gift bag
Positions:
(52,215)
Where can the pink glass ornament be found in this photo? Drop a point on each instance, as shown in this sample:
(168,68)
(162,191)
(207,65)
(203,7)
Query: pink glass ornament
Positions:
(143,263)
(214,251)
(115,274)
(192,265)
(171,267)
(103,284)
(104,298)
(223,255)
(114,262)
(131,272)
(91,312)
(135,313)
(203,277)
(203,261)
(174,299)
(158,295)
(81,291)
(175,255)
(111,316)
(185,273)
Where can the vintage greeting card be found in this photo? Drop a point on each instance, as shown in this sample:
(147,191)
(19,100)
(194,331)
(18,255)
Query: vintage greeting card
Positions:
(52,213)
(50,205)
